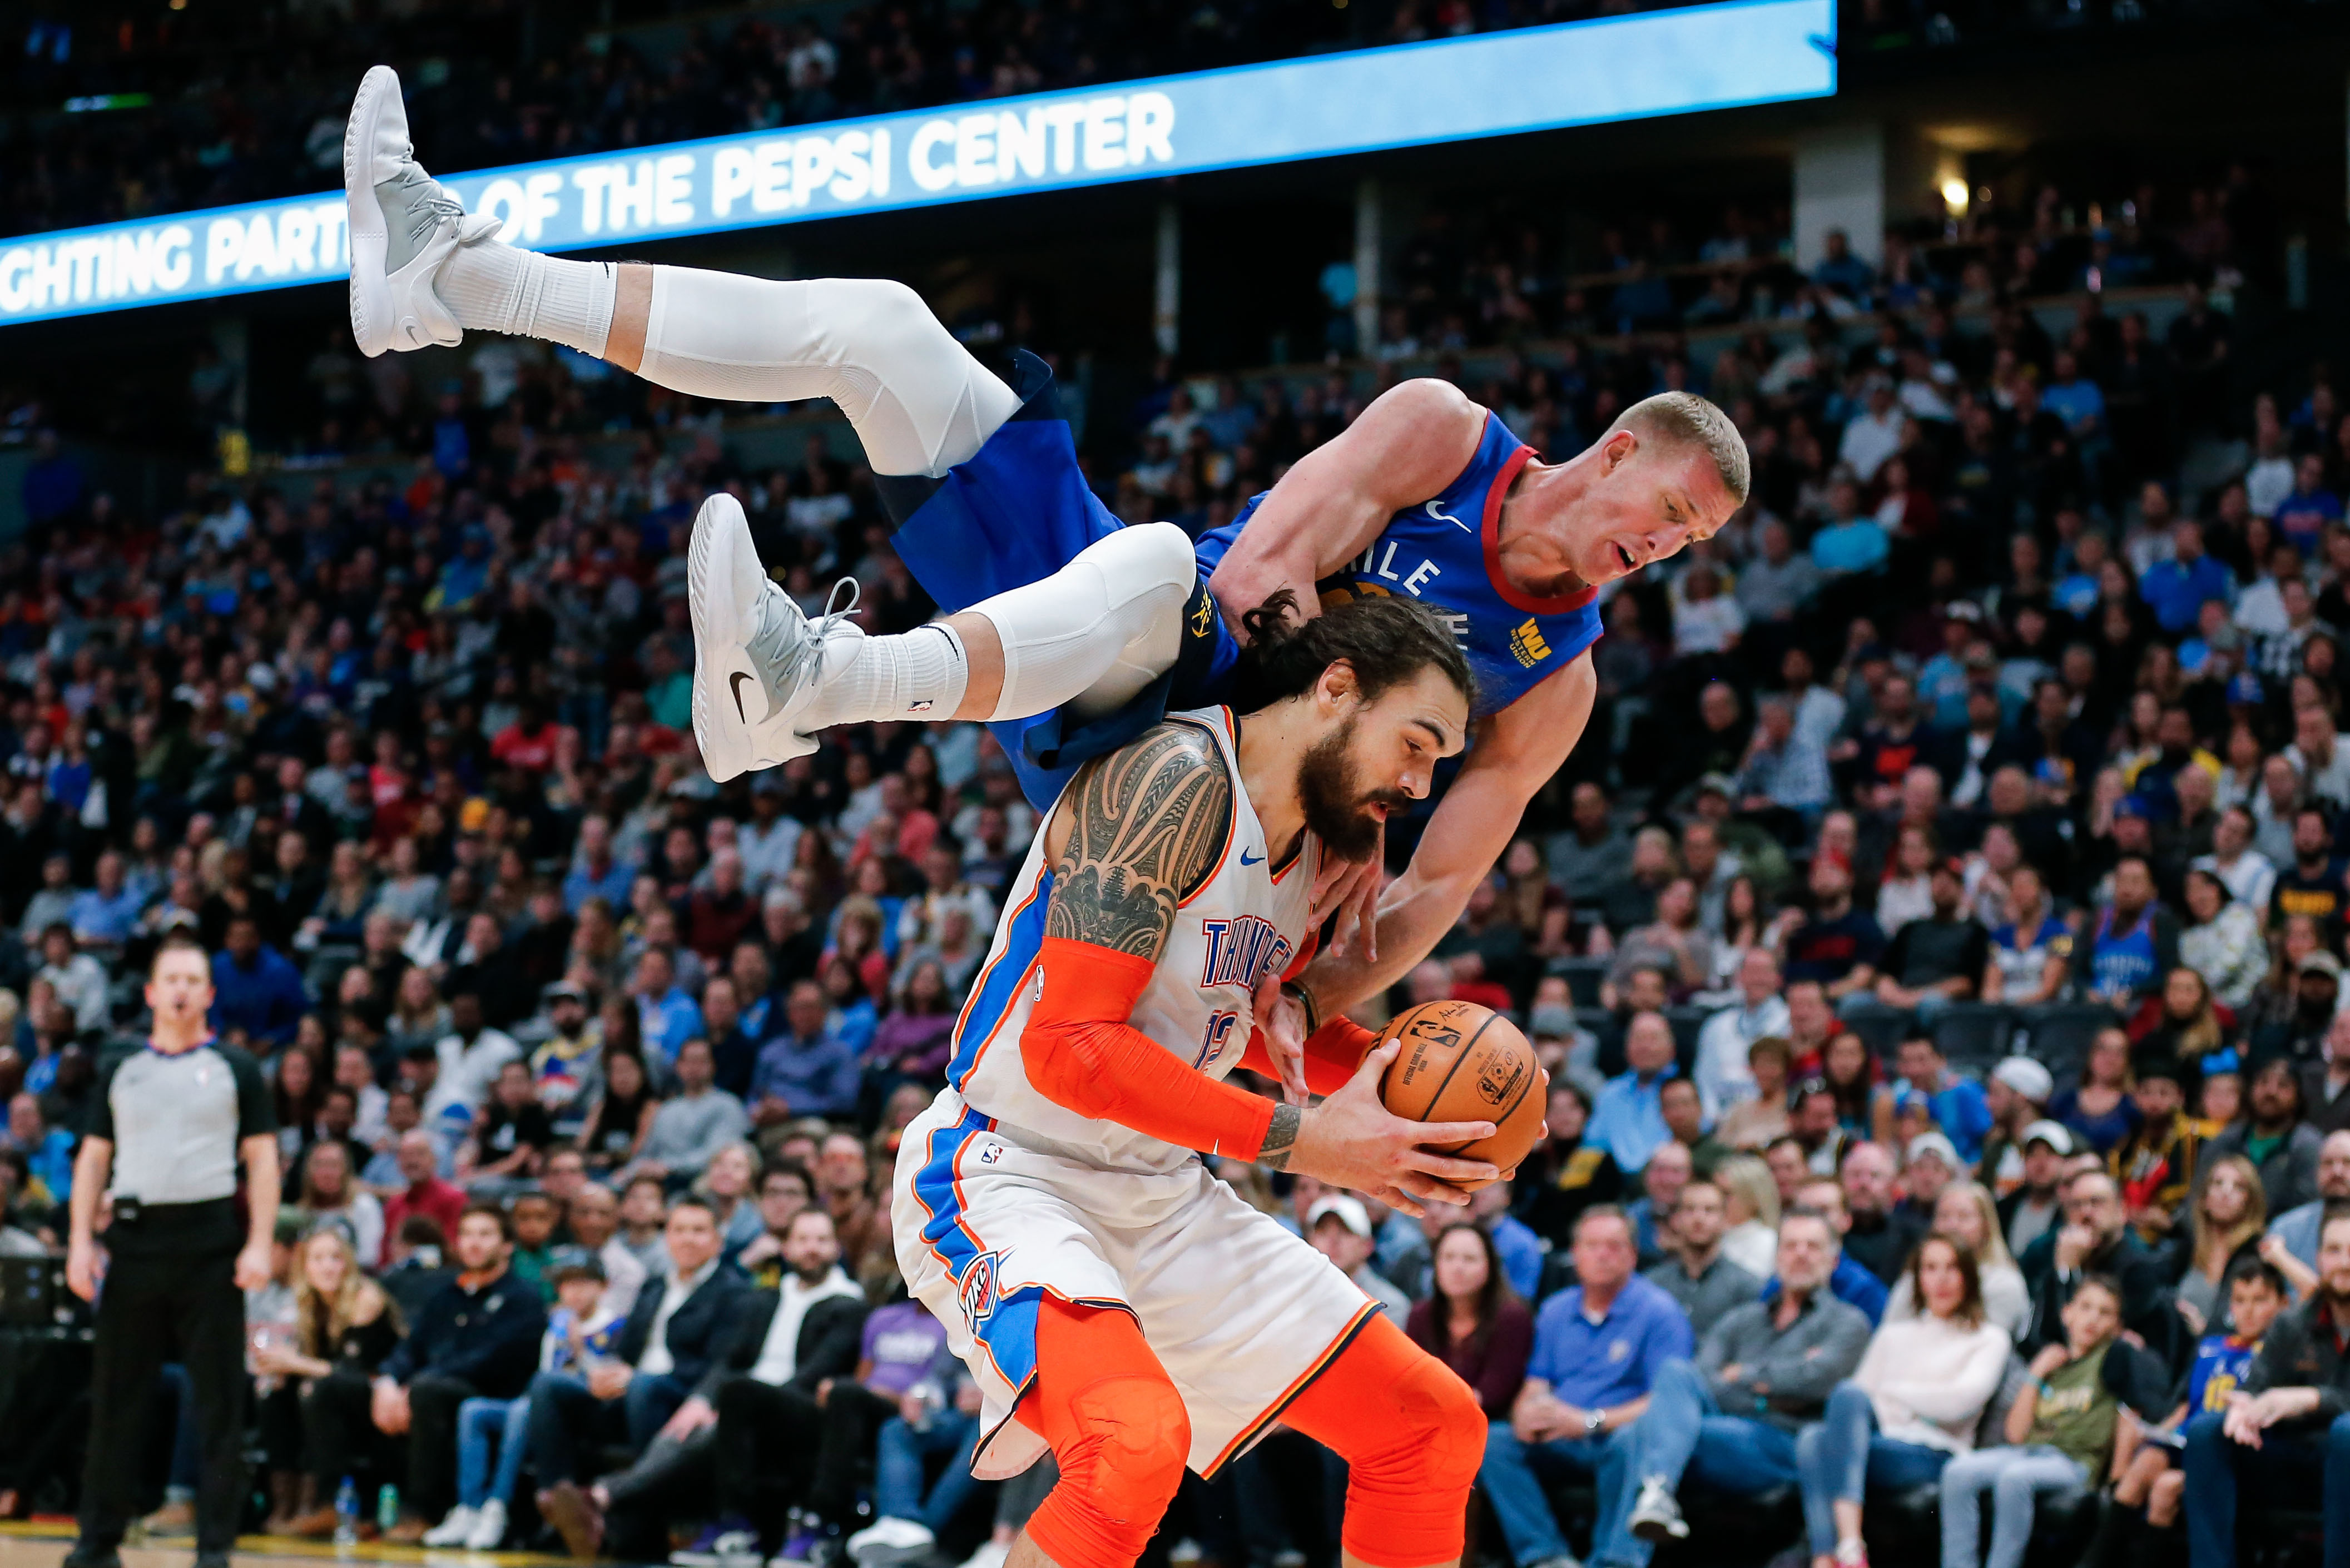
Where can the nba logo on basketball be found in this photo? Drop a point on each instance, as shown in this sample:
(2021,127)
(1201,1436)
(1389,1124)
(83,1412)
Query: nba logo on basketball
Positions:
(979,1290)
(1499,1078)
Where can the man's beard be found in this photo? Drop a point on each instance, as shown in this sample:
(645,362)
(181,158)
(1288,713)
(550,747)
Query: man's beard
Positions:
(1336,806)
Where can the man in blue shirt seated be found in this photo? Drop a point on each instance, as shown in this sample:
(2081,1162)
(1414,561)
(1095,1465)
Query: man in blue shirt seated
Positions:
(1850,544)
(1598,1346)
(807,1069)
(256,990)
(104,917)
(1627,1120)
(2174,590)
(665,1014)
(1929,1092)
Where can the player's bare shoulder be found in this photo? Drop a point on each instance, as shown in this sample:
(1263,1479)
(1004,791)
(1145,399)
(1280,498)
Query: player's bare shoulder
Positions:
(1138,831)
(1408,442)
(1428,398)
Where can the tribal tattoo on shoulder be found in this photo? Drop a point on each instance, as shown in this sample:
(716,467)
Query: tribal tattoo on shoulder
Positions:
(1149,824)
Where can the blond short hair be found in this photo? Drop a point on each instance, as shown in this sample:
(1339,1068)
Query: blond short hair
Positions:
(1686,419)
(1749,1180)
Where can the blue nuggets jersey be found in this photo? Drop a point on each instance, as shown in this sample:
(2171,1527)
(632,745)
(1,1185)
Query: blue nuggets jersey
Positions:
(1020,509)
(2221,1363)
(1445,552)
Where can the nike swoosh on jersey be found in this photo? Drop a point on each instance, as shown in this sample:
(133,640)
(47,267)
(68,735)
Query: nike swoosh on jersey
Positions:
(1246,861)
(1436,510)
(734,684)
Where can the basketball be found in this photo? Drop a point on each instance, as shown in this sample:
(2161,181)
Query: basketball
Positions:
(1464,1062)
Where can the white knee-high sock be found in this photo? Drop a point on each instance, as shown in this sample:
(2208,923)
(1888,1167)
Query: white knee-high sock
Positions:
(1099,629)
(919,402)
(918,675)
(497,288)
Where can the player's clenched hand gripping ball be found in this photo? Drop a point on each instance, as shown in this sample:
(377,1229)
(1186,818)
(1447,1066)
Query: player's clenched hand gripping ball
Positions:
(1463,1063)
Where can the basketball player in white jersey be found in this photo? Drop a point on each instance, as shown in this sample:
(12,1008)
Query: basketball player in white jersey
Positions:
(1066,622)
(1115,1301)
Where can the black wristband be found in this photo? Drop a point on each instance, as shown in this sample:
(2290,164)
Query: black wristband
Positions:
(1304,999)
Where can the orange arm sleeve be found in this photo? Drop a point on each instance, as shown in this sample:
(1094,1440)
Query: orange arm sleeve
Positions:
(1082,1054)
(1332,1053)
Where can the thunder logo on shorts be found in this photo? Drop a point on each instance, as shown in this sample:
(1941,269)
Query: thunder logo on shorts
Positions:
(1005,1326)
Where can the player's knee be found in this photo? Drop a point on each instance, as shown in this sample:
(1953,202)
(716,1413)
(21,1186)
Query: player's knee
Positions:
(1446,1424)
(1134,1438)
(1144,556)
(876,303)
(879,323)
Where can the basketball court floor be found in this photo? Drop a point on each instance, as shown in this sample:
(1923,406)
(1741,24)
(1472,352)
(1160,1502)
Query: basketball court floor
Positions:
(42,1544)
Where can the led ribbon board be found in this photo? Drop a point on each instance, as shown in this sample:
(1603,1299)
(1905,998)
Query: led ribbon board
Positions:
(1493,84)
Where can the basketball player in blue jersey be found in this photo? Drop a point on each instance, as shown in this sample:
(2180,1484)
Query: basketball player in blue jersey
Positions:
(1068,633)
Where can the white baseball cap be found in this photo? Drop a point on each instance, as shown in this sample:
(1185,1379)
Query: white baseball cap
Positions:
(1349,1210)
(2055,1135)
(2026,1077)
(1935,1144)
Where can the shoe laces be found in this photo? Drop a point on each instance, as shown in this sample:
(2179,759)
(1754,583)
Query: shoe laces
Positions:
(428,208)
(773,648)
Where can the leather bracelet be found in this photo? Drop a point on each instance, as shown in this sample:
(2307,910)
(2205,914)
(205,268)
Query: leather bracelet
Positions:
(1305,999)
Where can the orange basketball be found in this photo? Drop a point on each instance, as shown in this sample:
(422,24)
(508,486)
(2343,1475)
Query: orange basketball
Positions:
(1464,1062)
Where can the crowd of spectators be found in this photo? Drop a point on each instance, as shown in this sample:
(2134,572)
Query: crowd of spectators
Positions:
(1937,945)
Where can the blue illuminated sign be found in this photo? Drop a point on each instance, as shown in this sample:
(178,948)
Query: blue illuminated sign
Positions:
(1495,84)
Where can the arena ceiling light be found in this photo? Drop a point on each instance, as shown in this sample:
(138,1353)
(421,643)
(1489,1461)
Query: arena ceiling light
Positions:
(1450,90)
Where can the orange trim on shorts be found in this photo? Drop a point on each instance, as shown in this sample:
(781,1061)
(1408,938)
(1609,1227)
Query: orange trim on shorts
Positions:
(963,1204)
(1272,1412)
(954,1180)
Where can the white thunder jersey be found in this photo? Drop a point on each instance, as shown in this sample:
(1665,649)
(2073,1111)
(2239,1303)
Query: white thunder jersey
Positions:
(1247,920)
(1002,1197)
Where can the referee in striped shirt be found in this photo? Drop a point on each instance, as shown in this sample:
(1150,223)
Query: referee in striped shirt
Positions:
(169,1122)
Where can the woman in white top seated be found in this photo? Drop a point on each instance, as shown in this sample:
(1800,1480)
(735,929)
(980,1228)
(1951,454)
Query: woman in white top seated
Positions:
(1967,1214)
(1915,1401)
(1751,1204)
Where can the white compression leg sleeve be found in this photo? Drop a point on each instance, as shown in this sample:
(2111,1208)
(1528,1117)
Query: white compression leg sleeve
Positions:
(1099,629)
(919,402)
(1091,635)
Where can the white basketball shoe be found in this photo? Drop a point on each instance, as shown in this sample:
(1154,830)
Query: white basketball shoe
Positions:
(753,647)
(403,226)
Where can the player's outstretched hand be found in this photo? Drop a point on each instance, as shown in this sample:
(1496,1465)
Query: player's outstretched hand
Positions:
(1352,1139)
